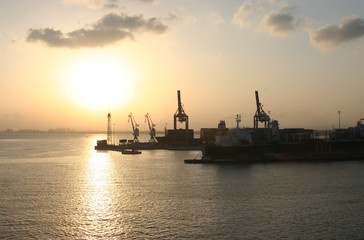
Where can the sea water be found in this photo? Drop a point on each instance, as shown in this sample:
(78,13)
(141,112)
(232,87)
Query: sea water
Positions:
(56,186)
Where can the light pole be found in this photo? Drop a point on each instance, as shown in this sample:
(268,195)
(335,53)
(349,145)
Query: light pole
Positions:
(339,112)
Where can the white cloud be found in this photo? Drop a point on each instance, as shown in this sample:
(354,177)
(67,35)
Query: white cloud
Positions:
(245,11)
(110,29)
(173,15)
(276,17)
(154,2)
(330,36)
(279,23)
(95,3)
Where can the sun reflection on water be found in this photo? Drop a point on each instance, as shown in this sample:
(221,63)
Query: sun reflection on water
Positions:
(98,214)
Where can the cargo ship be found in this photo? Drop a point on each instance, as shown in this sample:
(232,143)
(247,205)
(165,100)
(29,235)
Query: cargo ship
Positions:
(271,144)
(313,150)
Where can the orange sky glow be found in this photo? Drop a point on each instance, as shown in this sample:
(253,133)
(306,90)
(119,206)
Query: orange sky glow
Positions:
(65,64)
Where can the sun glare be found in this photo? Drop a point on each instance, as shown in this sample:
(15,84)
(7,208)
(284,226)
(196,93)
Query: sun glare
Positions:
(98,82)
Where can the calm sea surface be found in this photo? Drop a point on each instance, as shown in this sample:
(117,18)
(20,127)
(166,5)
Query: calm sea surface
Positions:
(55,186)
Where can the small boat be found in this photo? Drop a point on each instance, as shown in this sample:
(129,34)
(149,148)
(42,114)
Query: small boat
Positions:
(130,151)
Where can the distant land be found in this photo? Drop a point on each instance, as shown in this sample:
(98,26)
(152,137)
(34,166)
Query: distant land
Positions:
(317,132)
(66,130)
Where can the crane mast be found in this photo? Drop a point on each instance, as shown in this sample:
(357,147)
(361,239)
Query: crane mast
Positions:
(238,120)
(152,131)
(109,132)
(135,127)
(180,113)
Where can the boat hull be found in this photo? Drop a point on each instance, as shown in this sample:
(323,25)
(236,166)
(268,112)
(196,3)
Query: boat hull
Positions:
(308,151)
(146,146)
(130,151)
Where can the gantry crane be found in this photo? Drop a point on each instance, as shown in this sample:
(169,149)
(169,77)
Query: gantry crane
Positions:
(135,127)
(152,131)
(180,113)
(260,115)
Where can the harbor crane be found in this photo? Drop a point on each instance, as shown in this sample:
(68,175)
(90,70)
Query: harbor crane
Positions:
(135,127)
(238,120)
(152,131)
(260,115)
(180,113)
(109,132)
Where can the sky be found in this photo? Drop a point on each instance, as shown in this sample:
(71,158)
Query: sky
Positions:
(67,63)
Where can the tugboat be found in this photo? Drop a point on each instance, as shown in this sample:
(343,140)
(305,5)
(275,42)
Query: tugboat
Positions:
(130,151)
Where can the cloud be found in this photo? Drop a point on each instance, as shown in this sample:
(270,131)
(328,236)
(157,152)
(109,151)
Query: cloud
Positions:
(309,23)
(131,23)
(154,2)
(279,23)
(273,15)
(173,16)
(95,4)
(110,29)
(81,38)
(241,17)
(215,18)
(287,7)
(112,4)
(330,36)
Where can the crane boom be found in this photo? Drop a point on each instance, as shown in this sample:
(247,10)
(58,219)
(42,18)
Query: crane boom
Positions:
(180,108)
(135,126)
(152,131)
(257,100)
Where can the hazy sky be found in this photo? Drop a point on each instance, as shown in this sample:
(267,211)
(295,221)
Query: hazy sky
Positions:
(64,63)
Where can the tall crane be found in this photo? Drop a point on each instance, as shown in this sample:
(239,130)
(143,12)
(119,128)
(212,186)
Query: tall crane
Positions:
(180,113)
(152,131)
(109,132)
(238,120)
(135,127)
(260,115)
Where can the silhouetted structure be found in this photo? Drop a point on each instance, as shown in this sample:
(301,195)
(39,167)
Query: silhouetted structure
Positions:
(180,135)
(135,127)
(152,131)
(109,132)
(180,113)
(260,115)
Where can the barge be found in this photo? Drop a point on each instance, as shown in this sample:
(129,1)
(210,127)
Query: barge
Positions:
(104,146)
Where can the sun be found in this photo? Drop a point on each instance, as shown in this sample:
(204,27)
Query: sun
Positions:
(98,82)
